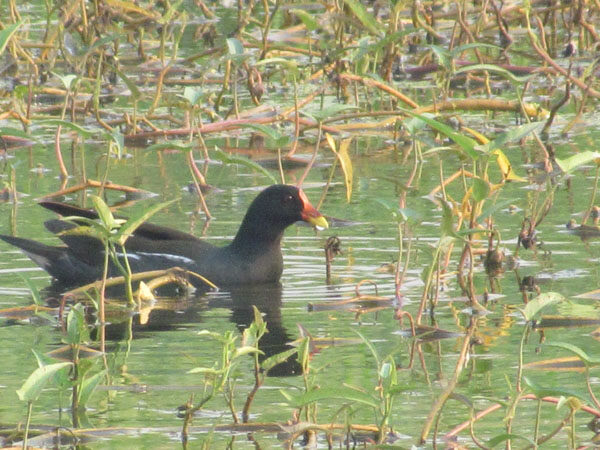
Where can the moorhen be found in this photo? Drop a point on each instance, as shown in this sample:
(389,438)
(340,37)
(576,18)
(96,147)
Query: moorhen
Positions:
(253,257)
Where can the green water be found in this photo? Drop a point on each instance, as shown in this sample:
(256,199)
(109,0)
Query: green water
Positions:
(167,346)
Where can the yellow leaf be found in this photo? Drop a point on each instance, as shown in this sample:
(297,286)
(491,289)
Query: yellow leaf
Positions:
(345,161)
(505,167)
(477,135)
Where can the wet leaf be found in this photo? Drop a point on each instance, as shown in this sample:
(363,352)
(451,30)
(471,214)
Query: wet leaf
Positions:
(35,383)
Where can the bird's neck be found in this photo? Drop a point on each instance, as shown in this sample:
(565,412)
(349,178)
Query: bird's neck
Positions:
(257,237)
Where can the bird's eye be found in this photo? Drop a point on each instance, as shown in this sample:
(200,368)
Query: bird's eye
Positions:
(288,199)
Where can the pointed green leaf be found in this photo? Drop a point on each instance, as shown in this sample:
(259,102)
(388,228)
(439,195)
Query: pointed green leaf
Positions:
(7,33)
(307,19)
(581,354)
(338,392)
(89,386)
(512,135)
(507,436)
(35,383)
(481,189)
(568,165)
(466,143)
(278,358)
(365,17)
(230,159)
(542,301)
(129,227)
(552,391)
(64,123)
(104,213)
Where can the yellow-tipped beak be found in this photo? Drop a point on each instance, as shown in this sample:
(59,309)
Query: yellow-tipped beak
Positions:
(318,222)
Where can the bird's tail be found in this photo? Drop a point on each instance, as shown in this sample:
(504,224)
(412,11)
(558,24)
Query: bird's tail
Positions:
(41,254)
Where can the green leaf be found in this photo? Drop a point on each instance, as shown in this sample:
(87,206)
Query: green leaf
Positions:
(481,189)
(88,386)
(466,143)
(307,19)
(193,94)
(447,227)
(461,48)
(171,145)
(569,164)
(68,80)
(491,208)
(8,131)
(337,392)
(206,371)
(235,47)
(35,293)
(129,227)
(371,347)
(35,383)
(278,358)
(131,85)
(77,331)
(365,17)
(7,33)
(492,68)
(505,437)
(329,111)
(246,350)
(64,123)
(541,391)
(104,213)
(270,132)
(512,135)
(580,353)
(230,159)
(542,301)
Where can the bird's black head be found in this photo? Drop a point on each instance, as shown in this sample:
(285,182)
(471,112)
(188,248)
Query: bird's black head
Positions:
(276,208)
(283,205)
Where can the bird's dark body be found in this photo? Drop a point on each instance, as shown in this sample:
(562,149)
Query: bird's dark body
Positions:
(253,257)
